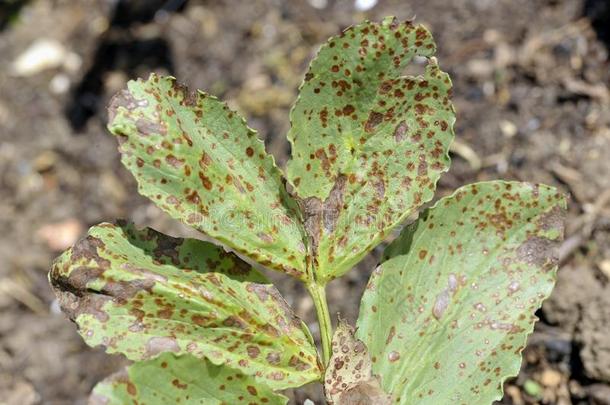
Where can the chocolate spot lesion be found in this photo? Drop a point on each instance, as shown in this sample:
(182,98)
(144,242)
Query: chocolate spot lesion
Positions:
(312,209)
(147,127)
(166,247)
(72,294)
(87,250)
(333,204)
(189,98)
(174,161)
(80,277)
(124,99)
(324,117)
(265,237)
(124,290)
(161,344)
(553,220)
(72,286)
(400,131)
(322,217)
(539,252)
(373,121)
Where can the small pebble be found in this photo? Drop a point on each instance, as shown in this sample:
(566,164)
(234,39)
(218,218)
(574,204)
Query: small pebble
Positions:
(363,5)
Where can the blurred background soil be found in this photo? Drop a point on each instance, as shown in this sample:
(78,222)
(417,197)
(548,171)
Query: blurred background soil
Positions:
(531,91)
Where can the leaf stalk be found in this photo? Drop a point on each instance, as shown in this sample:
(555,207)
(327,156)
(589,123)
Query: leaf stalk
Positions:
(318,294)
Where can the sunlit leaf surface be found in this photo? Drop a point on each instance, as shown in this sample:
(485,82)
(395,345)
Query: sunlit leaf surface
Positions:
(447,314)
(141,293)
(368,142)
(184,380)
(199,162)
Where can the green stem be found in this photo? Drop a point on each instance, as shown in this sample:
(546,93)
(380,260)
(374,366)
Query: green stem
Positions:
(318,293)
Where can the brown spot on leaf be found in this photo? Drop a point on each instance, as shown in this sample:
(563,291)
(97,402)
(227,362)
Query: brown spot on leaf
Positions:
(265,237)
(348,109)
(553,220)
(319,216)
(324,117)
(147,127)
(193,197)
(400,131)
(122,291)
(391,335)
(440,304)
(189,98)
(176,383)
(174,161)
(422,168)
(87,249)
(205,160)
(131,389)
(375,119)
(122,99)
(273,358)
(160,344)
(253,351)
(540,252)
(205,181)
(324,160)
(334,204)
(73,296)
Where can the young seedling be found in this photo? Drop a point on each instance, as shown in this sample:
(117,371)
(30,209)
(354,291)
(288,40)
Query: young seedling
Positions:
(445,315)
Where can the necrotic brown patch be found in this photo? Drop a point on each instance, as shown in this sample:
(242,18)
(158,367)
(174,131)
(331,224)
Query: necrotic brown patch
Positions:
(146,127)
(537,251)
(205,181)
(375,119)
(159,344)
(400,131)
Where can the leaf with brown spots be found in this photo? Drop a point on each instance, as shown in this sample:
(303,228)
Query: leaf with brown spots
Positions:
(184,379)
(141,293)
(199,162)
(454,299)
(368,143)
(348,379)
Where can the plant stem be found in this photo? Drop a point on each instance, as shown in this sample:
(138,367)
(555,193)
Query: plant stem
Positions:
(318,293)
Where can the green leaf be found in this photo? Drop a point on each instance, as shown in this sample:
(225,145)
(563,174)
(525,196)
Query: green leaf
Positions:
(448,312)
(368,144)
(349,378)
(140,293)
(199,162)
(185,380)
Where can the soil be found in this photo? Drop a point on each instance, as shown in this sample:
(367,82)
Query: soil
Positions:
(531,90)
